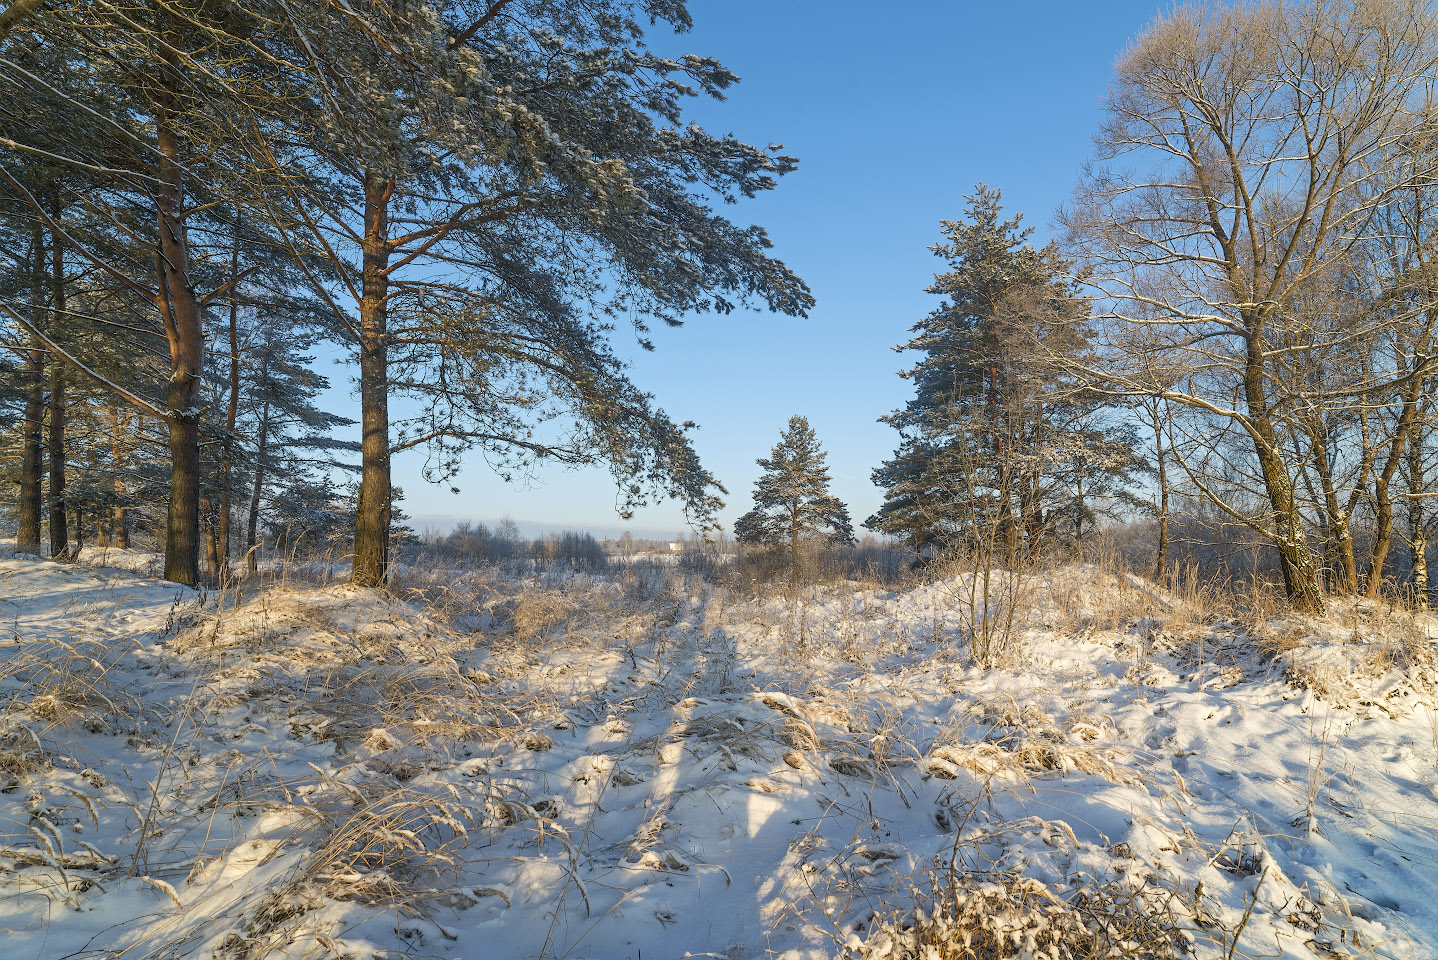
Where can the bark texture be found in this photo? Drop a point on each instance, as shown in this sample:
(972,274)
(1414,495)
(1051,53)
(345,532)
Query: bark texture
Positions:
(372,518)
(180,312)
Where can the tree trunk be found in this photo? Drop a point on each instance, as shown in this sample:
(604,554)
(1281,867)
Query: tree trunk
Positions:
(59,528)
(212,538)
(794,543)
(180,312)
(17,11)
(372,514)
(1340,538)
(1301,577)
(1382,495)
(1417,532)
(119,522)
(59,525)
(1013,521)
(232,415)
(182,522)
(1160,564)
(253,520)
(1034,518)
(1382,536)
(1024,433)
(27,537)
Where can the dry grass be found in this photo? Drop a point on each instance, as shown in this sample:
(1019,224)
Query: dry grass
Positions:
(376,829)
(462,598)
(21,754)
(58,685)
(1365,655)
(1403,644)
(1273,640)
(1012,740)
(69,684)
(356,835)
(1006,916)
(372,827)
(1109,597)
(536,614)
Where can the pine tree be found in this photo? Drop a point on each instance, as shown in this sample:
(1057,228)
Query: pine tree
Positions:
(287,441)
(792,498)
(155,119)
(513,186)
(997,445)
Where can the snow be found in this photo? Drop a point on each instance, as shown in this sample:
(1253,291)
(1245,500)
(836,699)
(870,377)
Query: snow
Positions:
(613,767)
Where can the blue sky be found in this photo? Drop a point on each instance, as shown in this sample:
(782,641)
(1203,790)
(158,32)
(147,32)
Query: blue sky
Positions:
(895,111)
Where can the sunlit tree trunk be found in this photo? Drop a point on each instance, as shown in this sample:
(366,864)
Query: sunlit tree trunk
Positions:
(1340,536)
(372,518)
(180,312)
(232,415)
(1160,563)
(253,520)
(1417,522)
(1301,576)
(1412,395)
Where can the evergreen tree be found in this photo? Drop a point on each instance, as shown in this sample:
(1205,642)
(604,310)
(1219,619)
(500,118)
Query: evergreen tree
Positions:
(997,445)
(511,187)
(287,441)
(153,121)
(491,187)
(792,498)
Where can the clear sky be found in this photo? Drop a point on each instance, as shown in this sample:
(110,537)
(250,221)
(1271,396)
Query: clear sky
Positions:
(895,111)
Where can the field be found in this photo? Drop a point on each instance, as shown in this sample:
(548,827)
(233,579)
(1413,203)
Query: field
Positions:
(643,764)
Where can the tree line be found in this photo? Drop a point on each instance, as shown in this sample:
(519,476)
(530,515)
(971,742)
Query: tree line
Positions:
(464,199)
(1238,313)
(1236,317)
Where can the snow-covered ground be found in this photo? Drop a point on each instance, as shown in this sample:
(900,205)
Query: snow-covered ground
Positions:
(625,768)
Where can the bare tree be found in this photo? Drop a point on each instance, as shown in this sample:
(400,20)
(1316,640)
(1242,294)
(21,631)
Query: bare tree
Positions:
(1236,170)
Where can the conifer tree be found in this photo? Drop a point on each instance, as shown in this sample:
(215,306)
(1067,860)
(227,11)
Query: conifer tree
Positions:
(509,188)
(792,498)
(29,377)
(492,186)
(285,435)
(997,445)
(154,116)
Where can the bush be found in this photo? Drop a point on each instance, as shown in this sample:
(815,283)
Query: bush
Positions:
(871,561)
(579,550)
